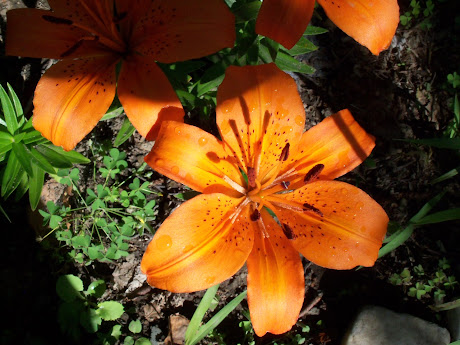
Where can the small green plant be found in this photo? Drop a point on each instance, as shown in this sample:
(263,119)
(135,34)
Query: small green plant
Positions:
(424,286)
(25,156)
(80,310)
(105,217)
(416,9)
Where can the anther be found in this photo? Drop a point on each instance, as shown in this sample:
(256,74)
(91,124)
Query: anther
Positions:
(255,216)
(285,184)
(313,173)
(288,232)
(308,207)
(251,177)
(284,153)
(57,20)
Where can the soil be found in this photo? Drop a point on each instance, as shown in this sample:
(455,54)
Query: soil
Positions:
(401,94)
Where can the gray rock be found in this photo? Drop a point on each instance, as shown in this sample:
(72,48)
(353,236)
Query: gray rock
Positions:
(379,326)
(453,319)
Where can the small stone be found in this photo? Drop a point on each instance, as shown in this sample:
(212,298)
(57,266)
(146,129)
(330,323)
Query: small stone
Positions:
(379,326)
(453,320)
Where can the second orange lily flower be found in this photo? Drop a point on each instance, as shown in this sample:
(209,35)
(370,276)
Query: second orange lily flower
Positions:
(92,37)
(372,23)
(264,162)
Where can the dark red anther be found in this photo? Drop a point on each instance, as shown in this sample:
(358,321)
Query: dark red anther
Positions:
(255,216)
(284,153)
(313,173)
(251,177)
(285,184)
(308,207)
(288,232)
(57,20)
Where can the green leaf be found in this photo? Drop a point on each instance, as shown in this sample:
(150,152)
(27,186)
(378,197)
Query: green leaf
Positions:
(142,341)
(303,46)
(399,238)
(446,176)
(69,318)
(39,160)
(314,30)
(135,326)
(441,143)
(110,310)
(116,332)
(22,153)
(268,50)
(54,158)
(90,320)
(12,176)
(96,288)
(289,64)
(35,186)
(247,12)
(126,131)
(17,105)
(442,216)
(114,113)
(32,137)
(199,313)
(217,319)
(8,111)
(69,287)
(129,340)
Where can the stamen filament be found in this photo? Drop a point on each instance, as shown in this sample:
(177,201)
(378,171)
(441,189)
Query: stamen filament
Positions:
(234,185)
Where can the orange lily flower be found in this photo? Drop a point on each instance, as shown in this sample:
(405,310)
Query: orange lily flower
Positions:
(209,238)
(372,23)
(92,37)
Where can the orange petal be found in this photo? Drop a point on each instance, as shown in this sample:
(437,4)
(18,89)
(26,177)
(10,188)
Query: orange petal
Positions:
(147,96)
(198,246)
(345,231)
(372,23)
(259,112)
(191,156)
(71,97)
(178,30)
(276,283)
(338,142)
(43,38)
(284,21)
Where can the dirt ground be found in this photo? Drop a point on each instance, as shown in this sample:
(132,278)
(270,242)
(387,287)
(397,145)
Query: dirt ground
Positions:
(401,94)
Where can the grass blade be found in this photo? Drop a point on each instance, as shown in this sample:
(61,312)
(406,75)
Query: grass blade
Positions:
(8,111)
(442,216)
(200,311)
(218,318)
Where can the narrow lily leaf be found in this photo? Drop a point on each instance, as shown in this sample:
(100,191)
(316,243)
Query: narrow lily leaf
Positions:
(38,159)
(427,208)
(12,176)
(36,186)
(114,113)
(442,216)
(446,176)
(5,135)
(268,50)
(247,12)
(303,46)
(289,64)
(8,111)
(32,137)
(5,146)
(23,186)
(314,30)
(441,143)
(397,240)
(17,106)
(218,318)
(23,155)
(4,213)
(72,156)
(401,236)
(126,131)
(54,158)
(200,311)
